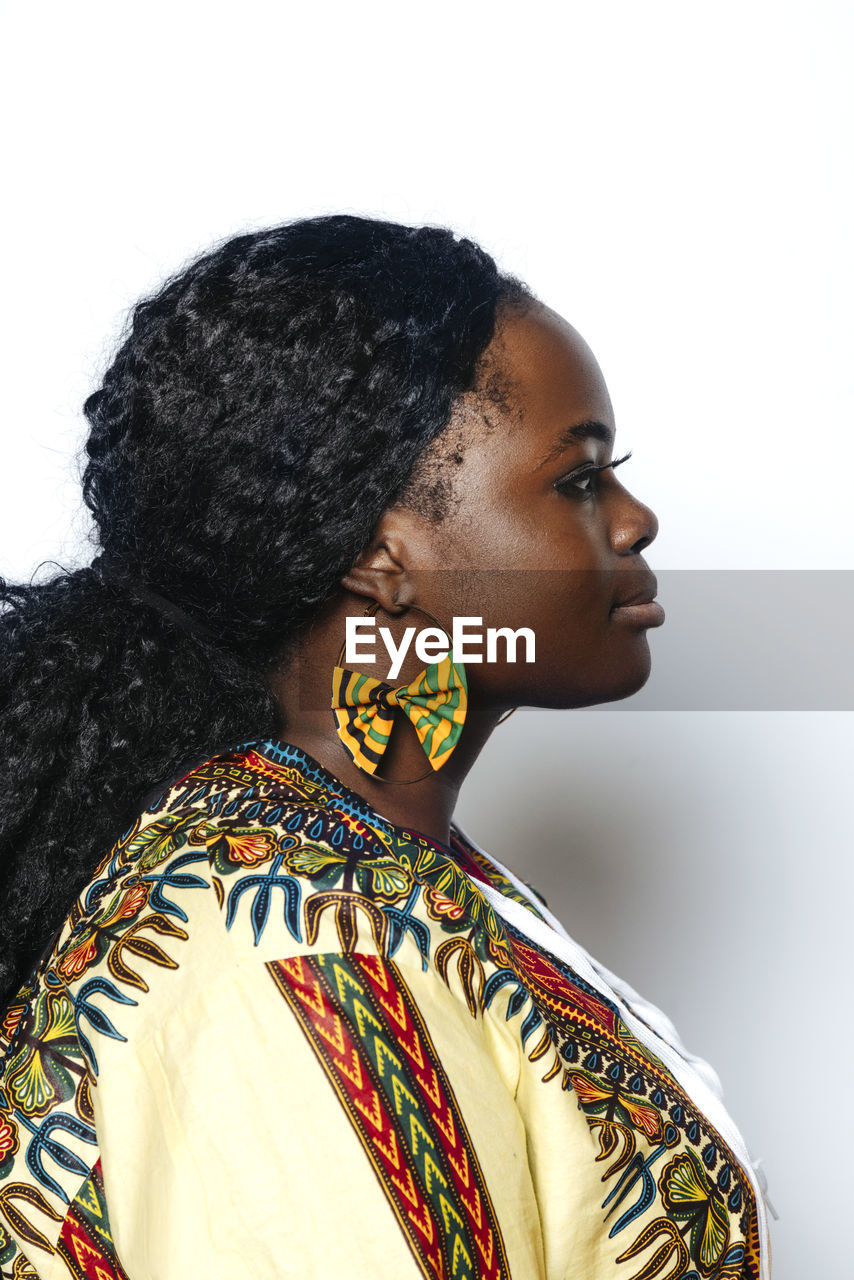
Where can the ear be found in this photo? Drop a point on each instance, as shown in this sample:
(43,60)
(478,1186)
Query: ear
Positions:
(379,571)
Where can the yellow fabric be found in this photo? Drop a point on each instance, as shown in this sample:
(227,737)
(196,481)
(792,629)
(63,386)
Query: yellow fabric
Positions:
(256,920)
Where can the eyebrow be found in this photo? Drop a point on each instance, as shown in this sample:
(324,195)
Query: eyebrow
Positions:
(590,429)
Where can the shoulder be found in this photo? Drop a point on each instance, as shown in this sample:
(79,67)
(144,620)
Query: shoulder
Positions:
(236,827)
(246,861)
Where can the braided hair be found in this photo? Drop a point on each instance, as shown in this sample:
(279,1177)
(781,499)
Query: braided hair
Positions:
(264,407)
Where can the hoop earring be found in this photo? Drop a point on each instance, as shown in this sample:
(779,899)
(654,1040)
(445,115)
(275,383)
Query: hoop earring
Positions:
(435,702)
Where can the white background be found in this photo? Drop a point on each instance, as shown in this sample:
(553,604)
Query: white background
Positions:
(673,178)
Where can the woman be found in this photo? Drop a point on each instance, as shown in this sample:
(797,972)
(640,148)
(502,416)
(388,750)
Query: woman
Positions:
(269,1010)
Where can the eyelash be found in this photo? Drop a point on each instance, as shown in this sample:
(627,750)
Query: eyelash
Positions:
(569,482)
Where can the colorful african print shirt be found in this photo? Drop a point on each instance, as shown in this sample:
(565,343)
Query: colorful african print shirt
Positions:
(278,1036)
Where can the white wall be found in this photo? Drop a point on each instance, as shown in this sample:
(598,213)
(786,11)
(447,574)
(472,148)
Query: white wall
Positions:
(676,180)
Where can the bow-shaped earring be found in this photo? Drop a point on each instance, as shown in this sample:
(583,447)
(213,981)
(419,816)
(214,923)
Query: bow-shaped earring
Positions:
(435,702)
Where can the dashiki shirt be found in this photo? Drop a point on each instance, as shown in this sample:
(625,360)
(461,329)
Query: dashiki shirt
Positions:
(278,1036)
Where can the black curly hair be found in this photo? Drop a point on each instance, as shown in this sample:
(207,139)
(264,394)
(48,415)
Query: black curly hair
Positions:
(263,409)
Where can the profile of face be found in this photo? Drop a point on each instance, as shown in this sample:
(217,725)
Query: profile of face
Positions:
(534,536)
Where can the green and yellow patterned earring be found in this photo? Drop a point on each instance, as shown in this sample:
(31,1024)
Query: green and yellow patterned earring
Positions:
(435,702)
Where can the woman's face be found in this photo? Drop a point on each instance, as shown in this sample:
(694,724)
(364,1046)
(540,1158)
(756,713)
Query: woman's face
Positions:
(532,542)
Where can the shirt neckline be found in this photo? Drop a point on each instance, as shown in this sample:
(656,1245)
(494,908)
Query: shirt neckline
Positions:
(457,852)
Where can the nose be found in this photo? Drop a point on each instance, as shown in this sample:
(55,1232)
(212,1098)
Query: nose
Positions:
(635,527)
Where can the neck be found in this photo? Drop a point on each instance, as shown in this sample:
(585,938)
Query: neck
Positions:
(428,804)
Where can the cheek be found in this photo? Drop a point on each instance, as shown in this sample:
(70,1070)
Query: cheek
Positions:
(572,612)
(543,536)
(567,610)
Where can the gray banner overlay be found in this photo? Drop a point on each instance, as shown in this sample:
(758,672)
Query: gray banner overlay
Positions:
(732,640)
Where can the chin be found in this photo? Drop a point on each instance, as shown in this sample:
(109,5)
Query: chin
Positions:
(618,677)
(632,678)
(619,681)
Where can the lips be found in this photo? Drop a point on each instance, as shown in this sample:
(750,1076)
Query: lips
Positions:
(644,593)
(650,614)
(639,608)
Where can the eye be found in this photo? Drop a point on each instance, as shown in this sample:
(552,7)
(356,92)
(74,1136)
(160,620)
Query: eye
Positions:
(581,483)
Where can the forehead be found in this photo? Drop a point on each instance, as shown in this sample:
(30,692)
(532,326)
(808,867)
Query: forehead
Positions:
(551,373)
